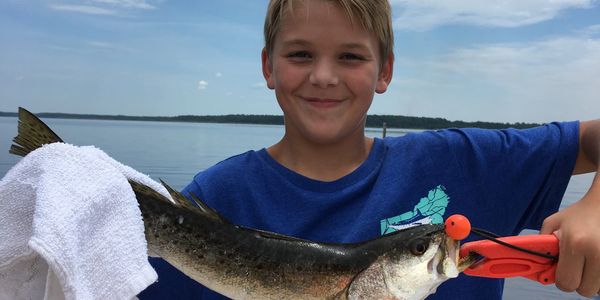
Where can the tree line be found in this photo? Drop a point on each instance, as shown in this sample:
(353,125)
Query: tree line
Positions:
(374,121)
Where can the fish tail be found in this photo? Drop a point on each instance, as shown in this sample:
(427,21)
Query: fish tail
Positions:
(32,134)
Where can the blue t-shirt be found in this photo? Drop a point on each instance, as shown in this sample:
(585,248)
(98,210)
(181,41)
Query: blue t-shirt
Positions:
(503,180)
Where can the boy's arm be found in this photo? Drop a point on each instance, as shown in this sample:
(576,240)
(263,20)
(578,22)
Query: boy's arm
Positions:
(588,158)
(578,226)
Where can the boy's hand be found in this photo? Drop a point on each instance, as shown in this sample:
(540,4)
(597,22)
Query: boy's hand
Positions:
(578,230)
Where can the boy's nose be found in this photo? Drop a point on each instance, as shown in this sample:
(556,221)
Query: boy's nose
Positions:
(323,74)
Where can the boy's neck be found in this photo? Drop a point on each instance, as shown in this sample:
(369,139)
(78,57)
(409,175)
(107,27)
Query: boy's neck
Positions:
(324,162)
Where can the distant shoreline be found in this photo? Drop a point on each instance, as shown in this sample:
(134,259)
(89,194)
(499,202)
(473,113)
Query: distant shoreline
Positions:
(373,121)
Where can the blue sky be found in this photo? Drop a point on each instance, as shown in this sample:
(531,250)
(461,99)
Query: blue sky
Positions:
(507,61)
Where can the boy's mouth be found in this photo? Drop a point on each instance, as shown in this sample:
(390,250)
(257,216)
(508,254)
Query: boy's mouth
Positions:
(323,102)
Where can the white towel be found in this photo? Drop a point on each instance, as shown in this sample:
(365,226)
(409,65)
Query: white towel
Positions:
(71,228)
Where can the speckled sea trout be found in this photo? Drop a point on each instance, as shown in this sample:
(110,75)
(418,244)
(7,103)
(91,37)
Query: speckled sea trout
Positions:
(244,263)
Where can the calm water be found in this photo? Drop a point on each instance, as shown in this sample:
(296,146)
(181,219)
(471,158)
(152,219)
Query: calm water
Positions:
(175,152)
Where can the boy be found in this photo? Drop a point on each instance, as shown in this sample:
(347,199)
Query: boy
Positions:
(325,181)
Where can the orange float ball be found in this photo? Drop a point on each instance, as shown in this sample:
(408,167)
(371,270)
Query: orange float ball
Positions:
(458,227)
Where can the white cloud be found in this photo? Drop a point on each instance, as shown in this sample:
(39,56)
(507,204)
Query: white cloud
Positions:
(100,44)
(218,74)
(109,46)
(103,7)
(427,14)
(259,85)
(85,9)
(202,85)
(136,4)
(592,30)
(544,80)
(559,59)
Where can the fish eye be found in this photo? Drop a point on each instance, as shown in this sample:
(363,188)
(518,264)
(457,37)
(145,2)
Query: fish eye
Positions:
(418,246)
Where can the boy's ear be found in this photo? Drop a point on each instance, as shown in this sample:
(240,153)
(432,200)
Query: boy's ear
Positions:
(267,69)
(385,75)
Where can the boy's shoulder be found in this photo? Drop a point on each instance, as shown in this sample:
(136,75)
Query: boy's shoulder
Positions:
(233,165)
(226,175)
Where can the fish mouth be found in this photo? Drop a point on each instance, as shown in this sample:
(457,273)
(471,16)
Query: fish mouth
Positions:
(467,261)
(447,259)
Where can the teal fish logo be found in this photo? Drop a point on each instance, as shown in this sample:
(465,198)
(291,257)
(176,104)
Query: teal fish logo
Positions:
(429,210)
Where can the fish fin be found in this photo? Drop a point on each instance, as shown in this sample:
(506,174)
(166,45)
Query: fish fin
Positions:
(144,190)
(279,236)
(207,210)
(32,134)
(193,204)
(179,199)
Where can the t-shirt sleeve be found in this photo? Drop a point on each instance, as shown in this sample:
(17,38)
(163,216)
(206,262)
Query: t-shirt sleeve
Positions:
(522,174)
(193,188)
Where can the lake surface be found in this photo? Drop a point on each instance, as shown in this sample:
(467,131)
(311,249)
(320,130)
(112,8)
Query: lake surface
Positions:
(175,152)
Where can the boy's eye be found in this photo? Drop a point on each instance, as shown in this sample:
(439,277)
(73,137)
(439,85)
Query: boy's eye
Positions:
(351,56)
(299,55)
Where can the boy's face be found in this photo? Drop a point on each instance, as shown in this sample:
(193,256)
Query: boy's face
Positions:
(324,71)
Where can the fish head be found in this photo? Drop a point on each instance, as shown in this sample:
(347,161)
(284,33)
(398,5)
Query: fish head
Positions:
(420,262)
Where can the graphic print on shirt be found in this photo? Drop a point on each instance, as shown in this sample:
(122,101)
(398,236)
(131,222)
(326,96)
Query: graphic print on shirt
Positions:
(429,210)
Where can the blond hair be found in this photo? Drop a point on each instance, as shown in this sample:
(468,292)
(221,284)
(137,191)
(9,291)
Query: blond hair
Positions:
(373,15)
